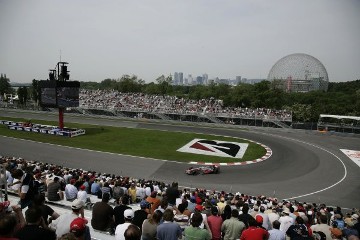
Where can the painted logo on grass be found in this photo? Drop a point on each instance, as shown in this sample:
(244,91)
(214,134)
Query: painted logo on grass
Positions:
(215,148)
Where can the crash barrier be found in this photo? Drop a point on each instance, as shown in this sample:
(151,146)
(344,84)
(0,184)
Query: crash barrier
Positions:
(44,129)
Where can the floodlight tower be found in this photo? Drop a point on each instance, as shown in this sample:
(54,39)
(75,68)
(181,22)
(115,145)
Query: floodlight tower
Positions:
(62,75)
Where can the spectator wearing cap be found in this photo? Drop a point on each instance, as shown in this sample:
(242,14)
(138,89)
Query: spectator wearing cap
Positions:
(120,208)
(194,232)
(200,208)
(54,192)
(266,221)
(254,232)
(15,211)
(79,228)
(259,219)
(215,222)
(298,230)
(232,228)
(71,191)
(168,230)
(275,233)
(121,228)
(141,214)
(35,228)
(103,215)
(322,226)
(61,224)
(82,194)
(154,201)
(149,226)
(285,220)
(349,229)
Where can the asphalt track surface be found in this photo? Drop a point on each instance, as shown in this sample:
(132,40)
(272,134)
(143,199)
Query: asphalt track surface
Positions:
(305,165)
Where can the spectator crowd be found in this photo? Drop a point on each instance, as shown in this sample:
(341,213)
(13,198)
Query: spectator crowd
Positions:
(129,208)
(114,100)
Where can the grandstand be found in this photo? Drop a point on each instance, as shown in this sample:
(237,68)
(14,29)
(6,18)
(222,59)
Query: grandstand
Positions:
(338,123)
(139,105)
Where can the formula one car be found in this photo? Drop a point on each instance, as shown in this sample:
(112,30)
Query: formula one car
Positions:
(211,169)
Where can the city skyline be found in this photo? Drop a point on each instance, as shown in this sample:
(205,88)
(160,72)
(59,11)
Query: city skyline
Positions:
(148,39)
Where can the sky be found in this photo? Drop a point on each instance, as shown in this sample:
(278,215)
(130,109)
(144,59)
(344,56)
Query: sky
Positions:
(149,38)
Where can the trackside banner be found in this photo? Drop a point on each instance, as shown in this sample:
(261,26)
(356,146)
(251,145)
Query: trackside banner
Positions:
(353,155)
(215,148)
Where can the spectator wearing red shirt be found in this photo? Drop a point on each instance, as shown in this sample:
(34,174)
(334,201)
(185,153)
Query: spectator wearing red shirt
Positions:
(215,222)
(254,232)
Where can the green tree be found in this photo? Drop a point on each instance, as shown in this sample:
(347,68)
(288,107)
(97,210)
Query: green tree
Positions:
(164,84)
(90,85)
(22,93)
(130,84)
(107,84)
(5,87)
(35,91)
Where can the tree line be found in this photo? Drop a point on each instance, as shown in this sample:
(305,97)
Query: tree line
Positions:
(342,98)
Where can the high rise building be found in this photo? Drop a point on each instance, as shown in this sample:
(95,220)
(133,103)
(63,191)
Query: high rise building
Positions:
(205,78)
(190,80)
(199,80)
(181,78)
(176,79)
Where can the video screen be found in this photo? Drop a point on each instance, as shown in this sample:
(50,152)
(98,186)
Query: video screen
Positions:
(68,97)
(48,97)
(47,94)
(60,94)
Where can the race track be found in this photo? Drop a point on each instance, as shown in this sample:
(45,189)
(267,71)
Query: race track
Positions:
(307,166)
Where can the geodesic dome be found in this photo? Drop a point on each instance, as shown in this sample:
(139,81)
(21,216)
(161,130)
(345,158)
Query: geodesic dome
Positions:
(299,72)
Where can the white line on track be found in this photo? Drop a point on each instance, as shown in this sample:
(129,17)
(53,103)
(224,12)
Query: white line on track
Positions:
(321,148)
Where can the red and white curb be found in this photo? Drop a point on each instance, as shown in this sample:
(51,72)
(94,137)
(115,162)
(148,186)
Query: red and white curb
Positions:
(263,158)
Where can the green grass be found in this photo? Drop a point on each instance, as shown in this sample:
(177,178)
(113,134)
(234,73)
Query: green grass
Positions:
(131,141)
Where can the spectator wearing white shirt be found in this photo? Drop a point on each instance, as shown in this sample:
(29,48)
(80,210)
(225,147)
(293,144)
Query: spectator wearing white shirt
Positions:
(275,233)
(286,221)
(82,194)
(71,191)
